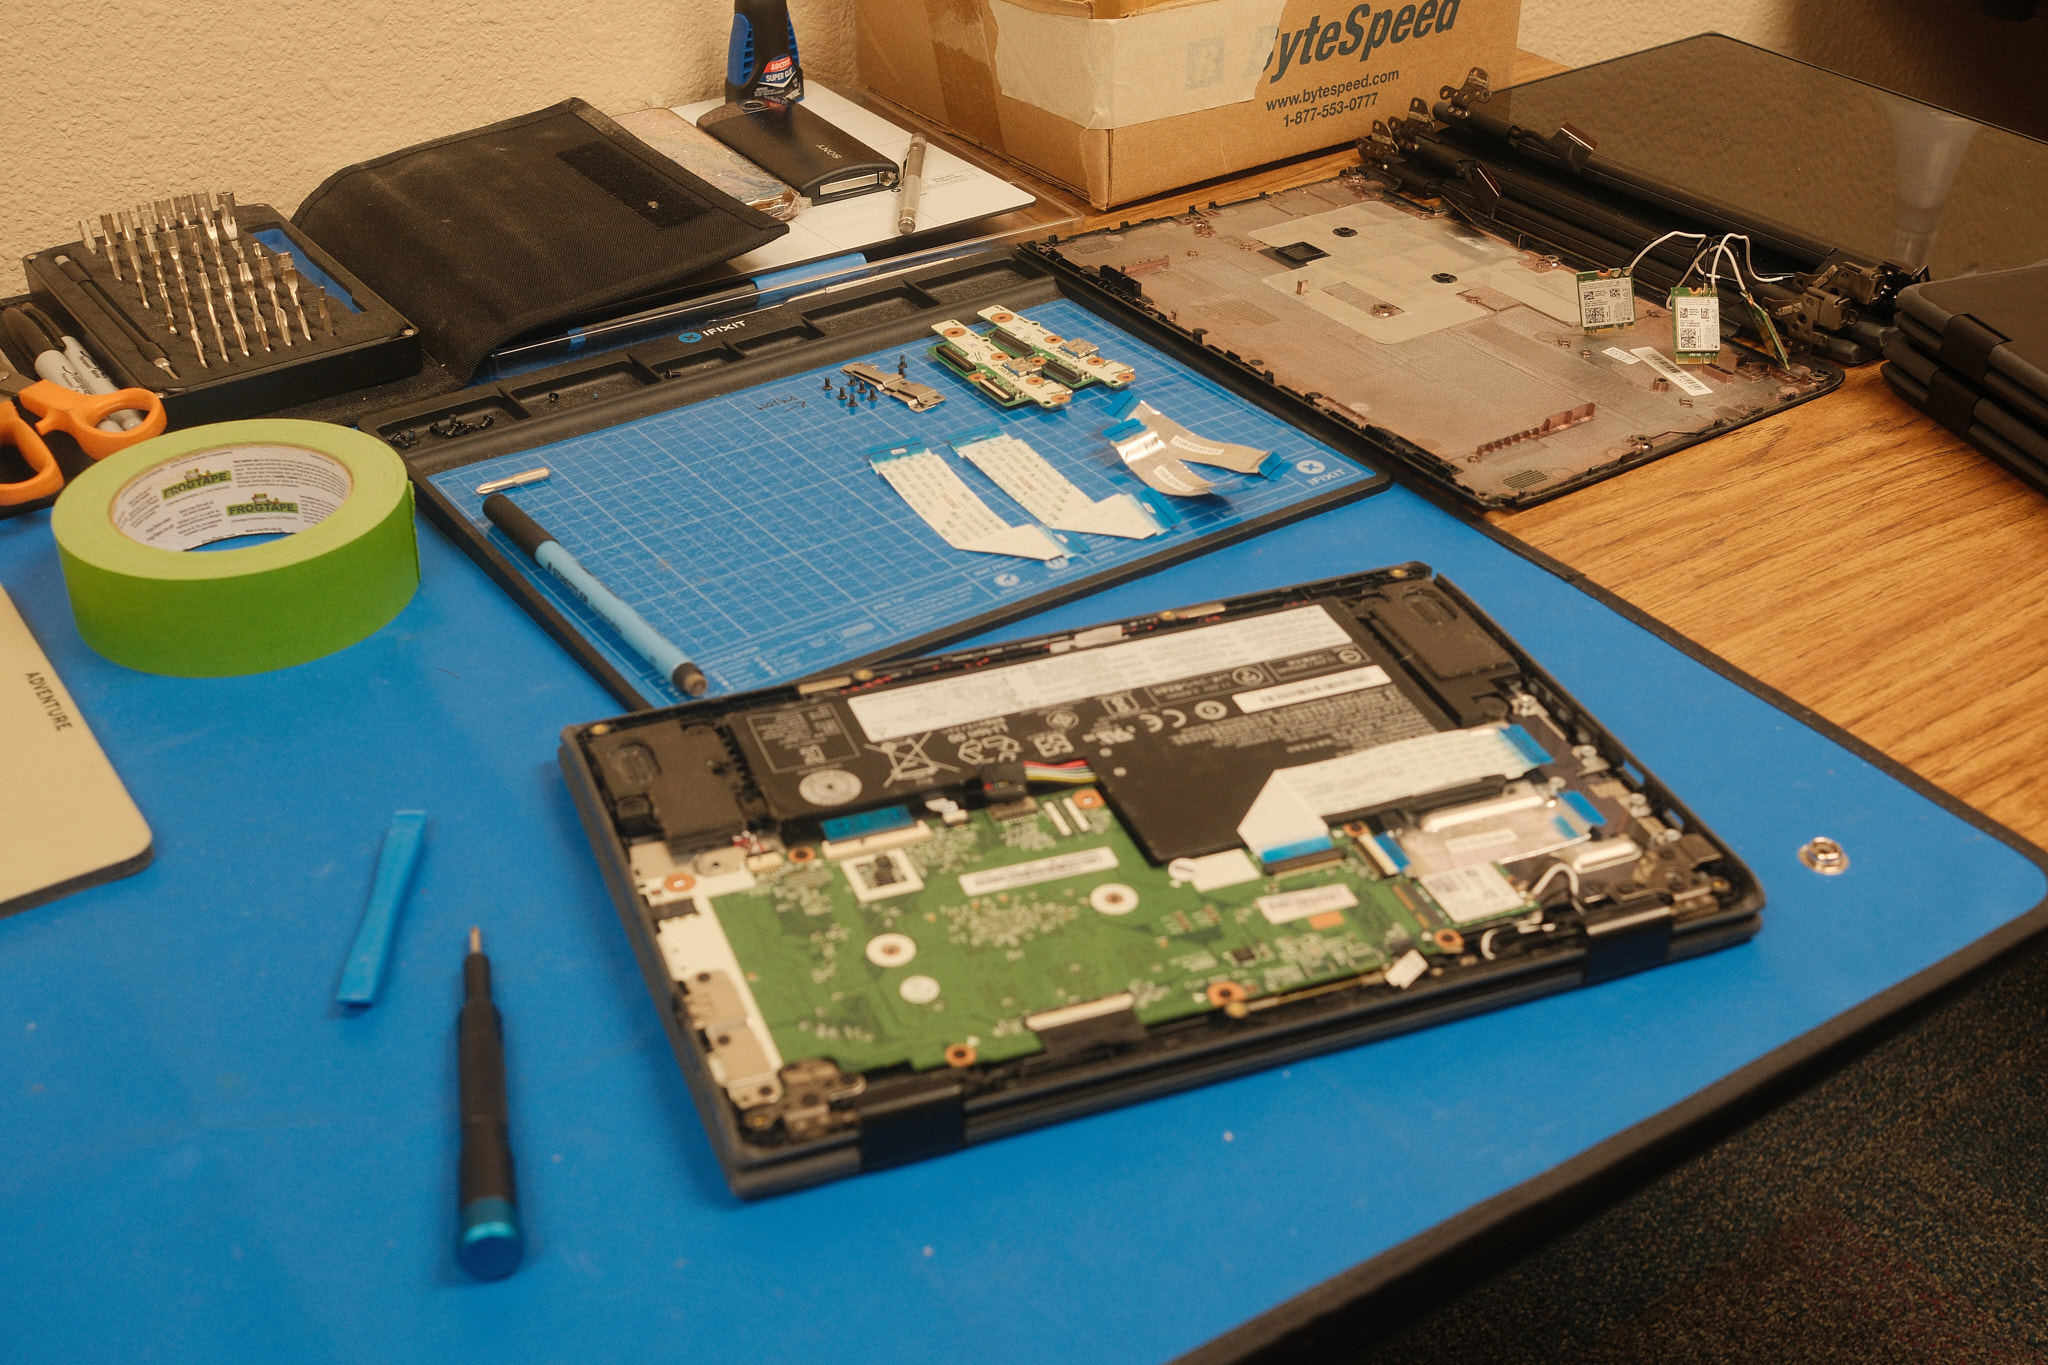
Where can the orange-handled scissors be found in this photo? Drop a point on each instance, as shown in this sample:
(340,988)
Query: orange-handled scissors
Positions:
(77,415)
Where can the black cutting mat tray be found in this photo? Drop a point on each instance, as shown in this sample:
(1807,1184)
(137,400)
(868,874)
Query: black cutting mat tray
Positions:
(646,435)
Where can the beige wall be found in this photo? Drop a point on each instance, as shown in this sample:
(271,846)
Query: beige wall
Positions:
(1577,32)
(108,102)
(111,101)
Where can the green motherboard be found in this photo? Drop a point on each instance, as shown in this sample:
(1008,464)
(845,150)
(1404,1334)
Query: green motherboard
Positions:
(939,947)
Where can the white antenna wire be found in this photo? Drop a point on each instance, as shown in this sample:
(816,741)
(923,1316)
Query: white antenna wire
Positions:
(1697,236)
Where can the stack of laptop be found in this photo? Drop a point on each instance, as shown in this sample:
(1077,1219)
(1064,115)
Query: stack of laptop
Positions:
(1972,353)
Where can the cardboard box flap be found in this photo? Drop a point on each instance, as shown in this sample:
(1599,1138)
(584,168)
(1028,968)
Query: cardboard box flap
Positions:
(1111,73)
(1127,98)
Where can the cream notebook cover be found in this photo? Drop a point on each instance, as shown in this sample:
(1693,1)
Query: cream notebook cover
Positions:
(66,822)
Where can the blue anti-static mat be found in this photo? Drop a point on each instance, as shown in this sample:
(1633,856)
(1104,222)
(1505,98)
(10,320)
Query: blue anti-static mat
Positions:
(751,530)
(201,1162)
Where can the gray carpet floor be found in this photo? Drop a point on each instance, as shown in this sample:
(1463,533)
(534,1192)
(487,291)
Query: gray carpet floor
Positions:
(1897,1212)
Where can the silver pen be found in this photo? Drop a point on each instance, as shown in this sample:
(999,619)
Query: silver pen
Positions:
(911,186)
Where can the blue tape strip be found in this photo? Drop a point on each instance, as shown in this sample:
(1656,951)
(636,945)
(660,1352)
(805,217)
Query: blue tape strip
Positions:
(1124,429)
(1156,506)
(1274,466)
(1526,745)
(1583,808)
(1125,406)
(364,975)
(884,454)
(867,822)
(968,438)
(1393,850)
(1269,856)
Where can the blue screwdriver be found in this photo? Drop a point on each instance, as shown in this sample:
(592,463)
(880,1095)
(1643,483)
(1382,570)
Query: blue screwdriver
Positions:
(491,1241)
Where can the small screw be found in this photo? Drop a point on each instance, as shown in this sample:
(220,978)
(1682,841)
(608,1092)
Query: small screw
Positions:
(1824,856)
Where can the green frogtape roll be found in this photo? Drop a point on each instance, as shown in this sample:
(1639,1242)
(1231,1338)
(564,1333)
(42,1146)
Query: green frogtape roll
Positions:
(128,527)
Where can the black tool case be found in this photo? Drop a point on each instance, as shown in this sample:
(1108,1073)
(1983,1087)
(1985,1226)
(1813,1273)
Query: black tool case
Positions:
(371,343)
(530,224)
(894,1119)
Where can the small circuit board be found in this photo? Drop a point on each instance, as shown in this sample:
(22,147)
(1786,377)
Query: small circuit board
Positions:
(973,881)
(1069,360)
(1012,381)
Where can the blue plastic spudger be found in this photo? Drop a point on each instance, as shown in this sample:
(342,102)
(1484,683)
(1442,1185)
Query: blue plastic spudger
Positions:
(364,974)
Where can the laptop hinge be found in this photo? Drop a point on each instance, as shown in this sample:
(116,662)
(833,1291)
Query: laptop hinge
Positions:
(1967,344)
(1951,402)
(909,1118)
(1628,943)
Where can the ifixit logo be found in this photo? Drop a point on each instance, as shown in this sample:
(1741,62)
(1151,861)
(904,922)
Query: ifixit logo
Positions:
(691,338)
(1360,33)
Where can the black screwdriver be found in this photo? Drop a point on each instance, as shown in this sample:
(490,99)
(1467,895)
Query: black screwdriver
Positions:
(490,1243)
(151,352)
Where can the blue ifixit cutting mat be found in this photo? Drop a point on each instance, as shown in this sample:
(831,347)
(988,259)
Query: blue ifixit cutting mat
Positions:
(751,530)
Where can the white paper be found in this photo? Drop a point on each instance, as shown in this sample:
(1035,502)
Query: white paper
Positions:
(955,191)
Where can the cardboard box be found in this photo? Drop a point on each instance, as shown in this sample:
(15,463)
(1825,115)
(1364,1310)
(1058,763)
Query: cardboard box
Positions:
(1119,99)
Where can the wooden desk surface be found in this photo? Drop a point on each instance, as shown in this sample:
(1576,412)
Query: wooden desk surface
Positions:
(1850,553)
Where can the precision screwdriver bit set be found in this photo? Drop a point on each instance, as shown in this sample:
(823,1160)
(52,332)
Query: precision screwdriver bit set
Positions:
(225,310)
